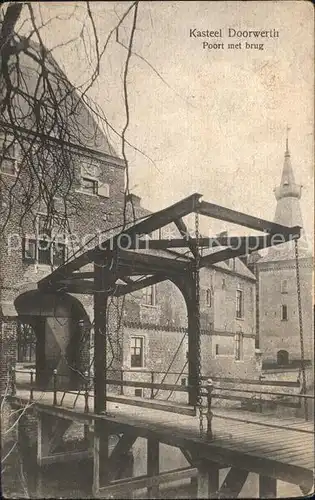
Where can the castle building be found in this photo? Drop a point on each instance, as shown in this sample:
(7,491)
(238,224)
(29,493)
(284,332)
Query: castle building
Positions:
(147,330)
(278,311)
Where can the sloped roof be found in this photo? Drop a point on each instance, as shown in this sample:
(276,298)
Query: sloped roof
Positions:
(79,118)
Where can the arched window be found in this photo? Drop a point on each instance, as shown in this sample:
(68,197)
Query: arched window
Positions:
(282,357)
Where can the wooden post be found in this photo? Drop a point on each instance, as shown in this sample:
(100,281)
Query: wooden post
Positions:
(102,281)
(86,392)
(209,411)
(31,387)
(13,380)
(207,479)
(153,467)
(152,382)
(193,342)
(267,487)
(100,457)
(55,387)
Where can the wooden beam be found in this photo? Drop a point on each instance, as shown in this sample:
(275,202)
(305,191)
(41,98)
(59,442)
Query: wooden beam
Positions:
(65,457)
(86,287)
(181,226)
(149,403)
(234,242)
(242,249)
(267,487)
(207,479)
(116,458)
(153,262)
(100,456)
(241,219)
(61,426)
(166,244)
(84,275)
(139,285)
(153,464)
(233,483)
(148,385)
(137,483)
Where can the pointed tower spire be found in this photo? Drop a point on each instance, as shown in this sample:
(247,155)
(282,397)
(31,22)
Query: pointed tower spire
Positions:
(288,210)
(288,193)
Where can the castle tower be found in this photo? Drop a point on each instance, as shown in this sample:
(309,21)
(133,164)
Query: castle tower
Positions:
(279,332)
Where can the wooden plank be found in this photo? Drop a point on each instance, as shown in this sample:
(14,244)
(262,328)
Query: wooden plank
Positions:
(136,483)
(274,383)
(153,464)
(276,454)
(267,487)
(270,443)
(152,404)
(262,424)
(148,385)
(188,437)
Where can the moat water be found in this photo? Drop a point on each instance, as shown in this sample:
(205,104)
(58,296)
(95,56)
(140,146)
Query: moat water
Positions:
(74,479)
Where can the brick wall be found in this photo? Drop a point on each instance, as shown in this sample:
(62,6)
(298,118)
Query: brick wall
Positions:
(8,348)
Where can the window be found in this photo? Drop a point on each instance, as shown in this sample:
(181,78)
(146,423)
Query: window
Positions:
(208,297)
(239,346)
(136,351)
(183,381)
(150,295)
(138,393)
(239,304)
(284,286)
(8,156)
(89,185)
(44,249)
(216,349)
(284,313)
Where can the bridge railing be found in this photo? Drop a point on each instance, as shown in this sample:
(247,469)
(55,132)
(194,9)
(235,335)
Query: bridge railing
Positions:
(210,391)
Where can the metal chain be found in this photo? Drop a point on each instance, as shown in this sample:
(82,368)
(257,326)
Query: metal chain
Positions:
(198,335)
(297,267)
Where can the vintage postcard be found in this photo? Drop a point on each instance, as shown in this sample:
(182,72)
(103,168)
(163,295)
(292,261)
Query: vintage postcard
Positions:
(156,251)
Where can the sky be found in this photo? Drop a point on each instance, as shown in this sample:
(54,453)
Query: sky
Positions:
(211,121)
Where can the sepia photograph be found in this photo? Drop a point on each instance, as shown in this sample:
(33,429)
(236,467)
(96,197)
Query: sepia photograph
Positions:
(156,249)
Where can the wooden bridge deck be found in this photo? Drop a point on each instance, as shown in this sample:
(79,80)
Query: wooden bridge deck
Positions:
(279,448)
